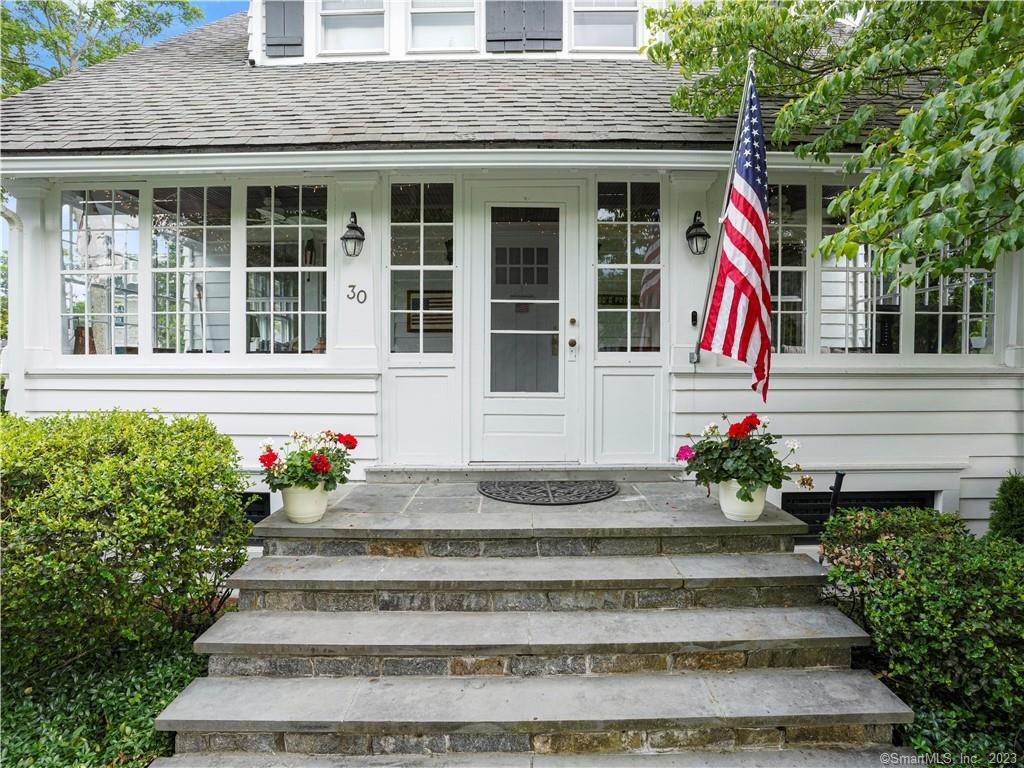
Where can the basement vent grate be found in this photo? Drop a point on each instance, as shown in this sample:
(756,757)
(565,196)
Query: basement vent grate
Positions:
(813,508)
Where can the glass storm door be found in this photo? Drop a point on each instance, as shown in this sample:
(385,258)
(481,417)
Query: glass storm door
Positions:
(526,334)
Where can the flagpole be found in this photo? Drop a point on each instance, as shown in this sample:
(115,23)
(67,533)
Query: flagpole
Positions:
(695,355)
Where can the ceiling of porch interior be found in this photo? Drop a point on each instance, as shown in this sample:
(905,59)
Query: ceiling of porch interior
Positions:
(197,92)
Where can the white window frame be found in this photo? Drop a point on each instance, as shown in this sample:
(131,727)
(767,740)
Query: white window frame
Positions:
(383,12)
(477,9)
(571,27)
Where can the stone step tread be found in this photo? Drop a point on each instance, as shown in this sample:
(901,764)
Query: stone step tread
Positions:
(496,573)
(748,698)
(786,758)
(548,471)
(457,511)
(418,633)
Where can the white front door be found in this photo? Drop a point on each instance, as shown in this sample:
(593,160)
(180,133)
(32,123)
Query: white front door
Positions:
(525,348)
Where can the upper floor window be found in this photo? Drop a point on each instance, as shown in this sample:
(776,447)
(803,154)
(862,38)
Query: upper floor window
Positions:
(605,24)
(286,269)
(100,272)
(422,256)
(191,257)
(352,26)
(787,224)
(955,314)
(628,267)
(860,310)
(440,25)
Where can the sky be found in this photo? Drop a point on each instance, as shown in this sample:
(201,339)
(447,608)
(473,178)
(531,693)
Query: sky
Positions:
(212,10)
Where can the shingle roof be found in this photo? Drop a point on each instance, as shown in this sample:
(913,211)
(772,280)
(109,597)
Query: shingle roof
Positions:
(197,92)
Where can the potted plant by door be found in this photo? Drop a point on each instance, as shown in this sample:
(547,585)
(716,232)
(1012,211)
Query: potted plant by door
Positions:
(306,469)
(743,462)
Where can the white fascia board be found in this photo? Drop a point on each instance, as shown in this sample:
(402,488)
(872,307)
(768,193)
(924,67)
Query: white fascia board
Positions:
(44,166)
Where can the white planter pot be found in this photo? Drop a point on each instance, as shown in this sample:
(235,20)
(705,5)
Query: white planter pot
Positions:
(735,508)
(304,505)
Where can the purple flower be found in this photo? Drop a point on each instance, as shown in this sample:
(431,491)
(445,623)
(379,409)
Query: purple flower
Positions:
(685,453)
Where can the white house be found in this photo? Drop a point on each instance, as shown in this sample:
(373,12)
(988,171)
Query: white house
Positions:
(525,292)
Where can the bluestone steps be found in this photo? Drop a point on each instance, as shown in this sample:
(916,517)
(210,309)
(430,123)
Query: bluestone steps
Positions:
(543,714)
(789,758)
(302,644)
(420,624)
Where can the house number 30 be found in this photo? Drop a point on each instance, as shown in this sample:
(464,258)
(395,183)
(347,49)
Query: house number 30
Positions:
(356,294)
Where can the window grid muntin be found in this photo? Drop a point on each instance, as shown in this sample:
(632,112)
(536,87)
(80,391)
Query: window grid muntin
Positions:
(966,315)
(275,274)
(89,274)
(630,267)
(778,271)
(421,315)
(173,320)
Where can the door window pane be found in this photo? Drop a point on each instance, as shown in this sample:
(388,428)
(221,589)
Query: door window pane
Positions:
(787,238)
(635,243)
(524,362)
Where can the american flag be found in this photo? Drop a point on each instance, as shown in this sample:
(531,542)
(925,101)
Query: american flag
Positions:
(739,318)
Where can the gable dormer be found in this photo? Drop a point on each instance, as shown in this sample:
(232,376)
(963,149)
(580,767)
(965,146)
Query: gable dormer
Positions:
(292,31)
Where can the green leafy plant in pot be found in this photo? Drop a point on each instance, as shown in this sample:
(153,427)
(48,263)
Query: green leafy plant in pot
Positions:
(743,462)
(306,469)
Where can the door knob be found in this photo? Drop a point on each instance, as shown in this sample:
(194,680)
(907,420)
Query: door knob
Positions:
(572,342)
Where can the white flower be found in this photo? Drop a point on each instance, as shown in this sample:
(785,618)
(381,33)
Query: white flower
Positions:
(267,443)
(710,429)
(792,444)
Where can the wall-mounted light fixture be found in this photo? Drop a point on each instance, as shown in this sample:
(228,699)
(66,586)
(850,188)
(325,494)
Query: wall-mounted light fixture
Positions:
(697,236)
(354,237)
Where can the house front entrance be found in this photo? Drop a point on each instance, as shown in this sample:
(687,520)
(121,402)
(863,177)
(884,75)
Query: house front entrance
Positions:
(526,338)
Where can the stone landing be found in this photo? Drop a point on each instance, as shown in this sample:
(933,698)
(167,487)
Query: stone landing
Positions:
(422,624)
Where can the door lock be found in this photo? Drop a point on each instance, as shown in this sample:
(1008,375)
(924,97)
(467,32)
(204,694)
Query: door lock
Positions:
(572,342)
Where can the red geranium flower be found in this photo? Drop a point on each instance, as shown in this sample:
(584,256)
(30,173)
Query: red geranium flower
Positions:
(349,441)
(268,459)
(752,422)
(739,430)
(320,463)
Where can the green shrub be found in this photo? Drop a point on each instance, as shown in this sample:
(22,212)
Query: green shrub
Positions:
(118,529)
(1008,508)
(946,616)
(95,717)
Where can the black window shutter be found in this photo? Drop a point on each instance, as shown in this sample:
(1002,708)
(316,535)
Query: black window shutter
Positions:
(505,25)
(544,25)
(284,27)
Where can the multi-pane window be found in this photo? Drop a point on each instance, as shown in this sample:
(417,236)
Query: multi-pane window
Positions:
(860,310)
(605,23)
(286,269)
(628,267)
(100,272)
(787,223)
(352,26)
(422,248)
(438,25)
(191,257)
(955,314)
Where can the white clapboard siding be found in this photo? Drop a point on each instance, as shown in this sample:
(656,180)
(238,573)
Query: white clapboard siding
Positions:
(249,408)
(957,434)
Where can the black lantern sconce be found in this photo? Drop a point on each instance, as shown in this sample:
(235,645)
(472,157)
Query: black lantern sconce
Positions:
(697,236)
(354,237)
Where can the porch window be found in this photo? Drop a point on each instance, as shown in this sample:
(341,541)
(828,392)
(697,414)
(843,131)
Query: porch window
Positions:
(286,269)
(191,269)
(787,222)
(352,26)
(955,314)
(605,24)
(422,256)
(100,272)
(438,25)
(860,310)
(628,267)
